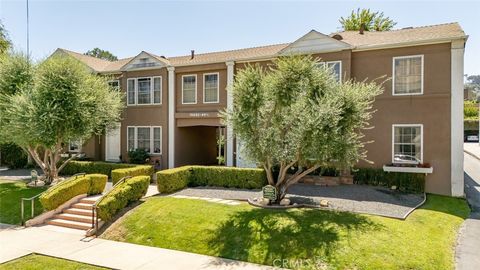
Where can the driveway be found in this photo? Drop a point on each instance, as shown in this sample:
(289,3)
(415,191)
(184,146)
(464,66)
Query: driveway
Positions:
(467,253)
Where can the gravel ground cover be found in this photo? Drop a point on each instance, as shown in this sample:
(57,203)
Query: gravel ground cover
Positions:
(351,198)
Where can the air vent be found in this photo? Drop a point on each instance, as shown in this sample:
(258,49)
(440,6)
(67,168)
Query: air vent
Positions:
(337,37)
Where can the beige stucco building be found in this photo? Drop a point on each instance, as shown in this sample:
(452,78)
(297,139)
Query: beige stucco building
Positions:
(173,103)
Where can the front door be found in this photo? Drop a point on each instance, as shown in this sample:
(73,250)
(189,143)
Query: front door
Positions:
(112,145)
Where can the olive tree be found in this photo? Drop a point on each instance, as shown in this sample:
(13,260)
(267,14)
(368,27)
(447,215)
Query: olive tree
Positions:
(44,106)
(296,115)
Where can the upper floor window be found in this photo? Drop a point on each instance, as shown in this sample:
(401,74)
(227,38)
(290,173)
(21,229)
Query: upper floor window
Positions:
(115,84)
(407,144)
(335,67)
(189,89)
(210,88)
(147,90)
(408,75)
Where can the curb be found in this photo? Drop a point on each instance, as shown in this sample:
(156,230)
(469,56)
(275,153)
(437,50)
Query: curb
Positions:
(471,154)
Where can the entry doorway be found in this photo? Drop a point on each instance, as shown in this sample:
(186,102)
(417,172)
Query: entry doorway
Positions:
(112,144)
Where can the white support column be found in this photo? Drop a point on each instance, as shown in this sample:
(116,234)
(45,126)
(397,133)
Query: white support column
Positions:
(171,117)
(456,107)
(230,71)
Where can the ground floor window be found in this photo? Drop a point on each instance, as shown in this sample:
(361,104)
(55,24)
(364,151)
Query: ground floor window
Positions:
(407,143)
(145,137)
(74,146)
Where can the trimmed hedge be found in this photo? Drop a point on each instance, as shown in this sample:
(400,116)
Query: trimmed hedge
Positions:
(115,171)
(131,190)
(408,182)
(231,177)
(13,156)
(97,183)
(175,179)
(74,167)
(138,170)
(64,191)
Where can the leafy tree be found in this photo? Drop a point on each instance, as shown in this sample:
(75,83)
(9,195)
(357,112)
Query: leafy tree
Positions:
(297,115)
(5,42)
(62,102)
(372,21)
(102,54)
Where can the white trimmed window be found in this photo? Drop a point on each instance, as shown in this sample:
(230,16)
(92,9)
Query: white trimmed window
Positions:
(74,146)
(210,88)
(189,89)
(115,84)
(145,137)
(131,92)
(335,67)
(144,91)
(407,144)
(408,75)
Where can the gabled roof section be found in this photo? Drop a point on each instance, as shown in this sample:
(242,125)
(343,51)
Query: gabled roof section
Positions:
(96,64)
(315,42)
(405,36)
(145,60)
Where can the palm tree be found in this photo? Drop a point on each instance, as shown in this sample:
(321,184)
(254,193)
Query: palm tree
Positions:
(371,21)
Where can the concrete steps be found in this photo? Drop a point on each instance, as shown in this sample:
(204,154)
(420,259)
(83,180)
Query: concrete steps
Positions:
(78,216)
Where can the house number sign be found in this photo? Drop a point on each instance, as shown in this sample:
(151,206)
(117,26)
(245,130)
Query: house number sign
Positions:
(269,192)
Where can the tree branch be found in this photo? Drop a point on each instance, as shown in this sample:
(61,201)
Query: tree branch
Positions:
(65,162)
(292,180)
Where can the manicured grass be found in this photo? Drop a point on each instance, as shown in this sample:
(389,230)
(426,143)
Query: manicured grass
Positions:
(11,193)
(36,261)
(304,237)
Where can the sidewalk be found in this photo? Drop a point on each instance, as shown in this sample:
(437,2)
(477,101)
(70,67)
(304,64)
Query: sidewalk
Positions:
(472,149)
(71,245)
(468,242)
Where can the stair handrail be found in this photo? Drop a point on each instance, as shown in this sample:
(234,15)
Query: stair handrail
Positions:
(32,199)
(95,205)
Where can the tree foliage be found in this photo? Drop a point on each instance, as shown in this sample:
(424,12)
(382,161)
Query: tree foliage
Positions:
(297,115)
(372,21)
(102,54)
(5,42)
(44,106)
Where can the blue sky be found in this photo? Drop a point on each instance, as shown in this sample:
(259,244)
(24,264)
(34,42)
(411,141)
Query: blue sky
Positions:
(174,28)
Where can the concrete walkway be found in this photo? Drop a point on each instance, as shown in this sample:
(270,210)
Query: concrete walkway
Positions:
(17,242)
(472,149)
(467,253)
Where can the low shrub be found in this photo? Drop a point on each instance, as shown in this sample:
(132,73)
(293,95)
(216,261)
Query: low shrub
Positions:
(131,190)
(64,191)
(175,179)
(230,177)
(408,182)
(13,156)
(138,156)
(74,167)
(138,170)
(97,183)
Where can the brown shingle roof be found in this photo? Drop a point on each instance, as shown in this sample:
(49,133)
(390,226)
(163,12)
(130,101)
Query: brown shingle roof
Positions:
(405,35)
(398,37)
(240,54)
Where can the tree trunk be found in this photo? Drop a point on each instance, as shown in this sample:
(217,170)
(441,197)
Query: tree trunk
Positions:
(283,183)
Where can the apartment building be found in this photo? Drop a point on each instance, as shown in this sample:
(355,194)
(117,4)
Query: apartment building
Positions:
(173,103)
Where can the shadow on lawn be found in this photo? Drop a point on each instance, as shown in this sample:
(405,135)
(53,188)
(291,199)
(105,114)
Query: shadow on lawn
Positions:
(264,236)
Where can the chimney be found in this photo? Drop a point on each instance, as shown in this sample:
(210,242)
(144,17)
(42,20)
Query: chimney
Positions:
(362,28)
(192,54)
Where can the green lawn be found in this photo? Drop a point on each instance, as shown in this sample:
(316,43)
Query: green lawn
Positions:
(37,262)
(11,193)
(304,237)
